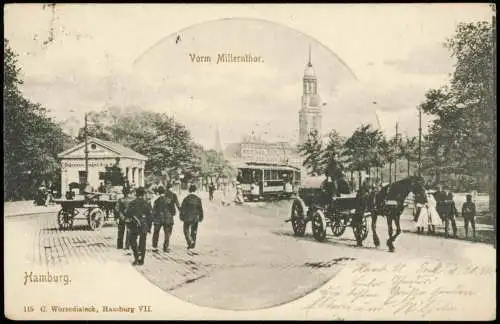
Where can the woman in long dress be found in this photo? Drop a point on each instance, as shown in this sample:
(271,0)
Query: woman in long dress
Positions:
(428,216)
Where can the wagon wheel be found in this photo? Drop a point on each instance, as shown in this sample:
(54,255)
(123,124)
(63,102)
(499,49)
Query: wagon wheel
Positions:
(362,229)
(338,226)
(298,221)
(319,231)
(64,220)
(95,219)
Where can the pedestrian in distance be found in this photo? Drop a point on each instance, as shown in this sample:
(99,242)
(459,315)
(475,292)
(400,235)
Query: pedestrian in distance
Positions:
(440,196)
(139,219)
(450,213)
(121,217)
(191,214)
(211,190)
(163,217)
(239,200)
(101,188)
(469,215)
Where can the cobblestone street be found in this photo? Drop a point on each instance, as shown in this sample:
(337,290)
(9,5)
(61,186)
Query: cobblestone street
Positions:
(246,256)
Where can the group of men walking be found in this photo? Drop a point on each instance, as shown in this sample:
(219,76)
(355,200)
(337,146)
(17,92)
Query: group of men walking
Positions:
(138,216)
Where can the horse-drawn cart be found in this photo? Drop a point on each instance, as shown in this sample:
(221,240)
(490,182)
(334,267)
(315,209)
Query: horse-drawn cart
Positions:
(96,209)
(313,204)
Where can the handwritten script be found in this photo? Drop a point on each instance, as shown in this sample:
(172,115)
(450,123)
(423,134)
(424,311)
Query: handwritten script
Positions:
(411,290)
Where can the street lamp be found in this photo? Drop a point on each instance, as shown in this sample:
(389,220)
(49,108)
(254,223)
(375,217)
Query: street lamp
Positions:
(86,152)
(419,141)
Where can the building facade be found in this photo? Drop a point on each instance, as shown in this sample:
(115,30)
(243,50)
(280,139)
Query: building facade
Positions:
(101,154)
(253,150)
(310,116)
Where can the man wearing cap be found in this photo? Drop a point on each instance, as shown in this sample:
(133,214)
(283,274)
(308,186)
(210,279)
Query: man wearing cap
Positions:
(469,213)
(121,215)
(191,214)
(139,218)
(163,216)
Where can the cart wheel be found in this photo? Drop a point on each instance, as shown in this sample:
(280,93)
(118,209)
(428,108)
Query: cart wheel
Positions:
(95,219)
(363,230)
(338,227)
(64,220)
(319,231)
(298,221)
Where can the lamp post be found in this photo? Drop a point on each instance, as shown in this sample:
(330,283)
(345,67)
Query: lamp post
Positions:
(396,154)
(86,152)
(419,141)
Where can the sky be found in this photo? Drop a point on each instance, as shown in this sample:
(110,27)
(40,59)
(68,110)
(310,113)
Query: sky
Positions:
(80,58)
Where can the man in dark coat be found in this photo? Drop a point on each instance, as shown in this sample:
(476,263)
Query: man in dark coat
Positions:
(121,215)
(163,216)
(450,214)
(440,196)
(191,214)
(138,219)
(469,214)
(211,190)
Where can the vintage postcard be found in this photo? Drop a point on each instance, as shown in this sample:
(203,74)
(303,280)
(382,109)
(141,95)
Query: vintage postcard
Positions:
(268,161)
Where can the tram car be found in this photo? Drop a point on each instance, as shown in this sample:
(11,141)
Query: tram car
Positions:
(268,181)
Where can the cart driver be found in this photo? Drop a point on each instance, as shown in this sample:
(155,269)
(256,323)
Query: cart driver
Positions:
(328,189)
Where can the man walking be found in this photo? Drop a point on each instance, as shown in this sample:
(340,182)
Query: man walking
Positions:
(139,218)
(211,190)
(121,215)
(191,214)
(163,216)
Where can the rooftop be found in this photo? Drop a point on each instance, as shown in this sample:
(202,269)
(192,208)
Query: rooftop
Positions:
(118,149)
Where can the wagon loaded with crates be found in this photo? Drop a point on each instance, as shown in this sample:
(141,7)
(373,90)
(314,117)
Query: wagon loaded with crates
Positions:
(96,209)
(313,205)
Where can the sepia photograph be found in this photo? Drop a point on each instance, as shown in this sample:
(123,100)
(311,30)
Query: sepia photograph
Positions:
(250,162)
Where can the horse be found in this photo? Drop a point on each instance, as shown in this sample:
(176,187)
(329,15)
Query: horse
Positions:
(389,202)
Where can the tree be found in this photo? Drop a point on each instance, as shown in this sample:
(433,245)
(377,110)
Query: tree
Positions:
(214,165)
(31,139)
(312,151)
(167,143)
(362,149)
(473,48)
(333,147)
(407,149)
(462,136)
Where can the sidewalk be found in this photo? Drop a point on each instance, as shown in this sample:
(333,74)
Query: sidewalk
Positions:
(16,208)
(27,207)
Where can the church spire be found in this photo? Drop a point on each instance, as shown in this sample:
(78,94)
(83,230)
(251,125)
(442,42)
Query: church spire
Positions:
(309,63)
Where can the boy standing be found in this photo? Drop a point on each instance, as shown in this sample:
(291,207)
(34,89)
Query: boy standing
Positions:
(469,213)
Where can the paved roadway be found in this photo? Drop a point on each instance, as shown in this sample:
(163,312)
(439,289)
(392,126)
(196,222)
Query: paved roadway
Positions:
(246,256)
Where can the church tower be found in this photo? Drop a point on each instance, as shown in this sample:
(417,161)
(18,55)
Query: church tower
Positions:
(310,112)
